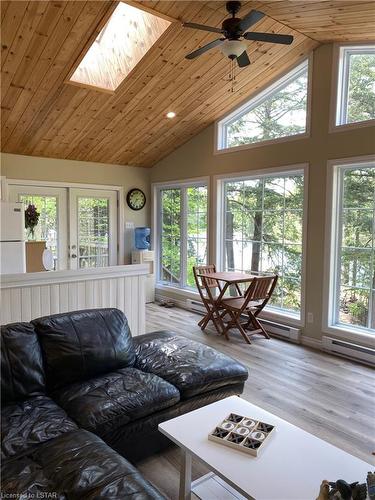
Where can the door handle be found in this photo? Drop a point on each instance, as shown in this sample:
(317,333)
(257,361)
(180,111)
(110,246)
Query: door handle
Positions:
(74,256)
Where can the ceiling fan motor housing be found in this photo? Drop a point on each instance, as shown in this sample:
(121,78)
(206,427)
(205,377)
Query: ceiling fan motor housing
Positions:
(231,28)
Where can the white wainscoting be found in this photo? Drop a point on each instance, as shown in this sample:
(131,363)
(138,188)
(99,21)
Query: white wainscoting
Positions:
(28,296)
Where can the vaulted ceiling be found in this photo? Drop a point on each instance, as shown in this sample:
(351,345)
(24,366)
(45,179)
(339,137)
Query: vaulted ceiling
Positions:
(43,41)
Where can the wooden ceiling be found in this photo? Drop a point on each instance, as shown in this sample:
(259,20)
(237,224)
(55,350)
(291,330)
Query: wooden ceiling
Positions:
(43,41)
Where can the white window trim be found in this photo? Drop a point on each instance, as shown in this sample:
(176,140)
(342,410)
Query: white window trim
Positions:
(258,96)
(156,233)
(219,181)
(74,185)
(346,332)
(336,89)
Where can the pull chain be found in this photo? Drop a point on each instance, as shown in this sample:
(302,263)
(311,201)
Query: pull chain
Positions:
(232,76)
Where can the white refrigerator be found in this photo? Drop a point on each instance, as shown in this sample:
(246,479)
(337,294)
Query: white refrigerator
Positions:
(12,238)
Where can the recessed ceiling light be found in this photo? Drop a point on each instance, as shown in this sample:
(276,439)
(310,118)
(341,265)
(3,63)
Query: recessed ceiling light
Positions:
(170,114)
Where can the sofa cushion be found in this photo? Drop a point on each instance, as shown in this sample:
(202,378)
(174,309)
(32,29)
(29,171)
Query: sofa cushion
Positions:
(82,344)
(22,373)
(112,400)
(190,366)
(28,423)
(74,466)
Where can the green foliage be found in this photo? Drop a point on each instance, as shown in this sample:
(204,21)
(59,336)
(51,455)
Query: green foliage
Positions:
(172,200)
(361,88)
(357,256)
(264,232)
(279,115)
(93,231)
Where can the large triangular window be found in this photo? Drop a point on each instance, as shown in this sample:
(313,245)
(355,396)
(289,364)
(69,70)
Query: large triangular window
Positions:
(277,112)
(120,45)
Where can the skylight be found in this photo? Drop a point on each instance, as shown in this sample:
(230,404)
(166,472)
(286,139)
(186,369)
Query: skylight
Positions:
(120,45)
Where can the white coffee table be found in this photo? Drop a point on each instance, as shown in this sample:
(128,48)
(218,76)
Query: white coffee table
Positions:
(291,466)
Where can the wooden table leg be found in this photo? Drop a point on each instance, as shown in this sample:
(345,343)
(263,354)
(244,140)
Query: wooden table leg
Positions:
(185,476)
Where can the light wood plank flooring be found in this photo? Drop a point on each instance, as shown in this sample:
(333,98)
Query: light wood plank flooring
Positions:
(328,396)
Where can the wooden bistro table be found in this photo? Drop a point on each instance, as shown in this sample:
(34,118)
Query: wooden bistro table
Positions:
(228,278)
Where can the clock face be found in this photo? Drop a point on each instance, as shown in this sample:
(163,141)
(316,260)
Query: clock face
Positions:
(136,199)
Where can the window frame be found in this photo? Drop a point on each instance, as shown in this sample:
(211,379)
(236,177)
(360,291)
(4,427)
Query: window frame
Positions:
(156,229)
(219,182)
(276,84)
(335,168)
(339,67)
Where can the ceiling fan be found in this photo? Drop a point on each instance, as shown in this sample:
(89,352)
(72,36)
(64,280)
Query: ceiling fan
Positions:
(234,31)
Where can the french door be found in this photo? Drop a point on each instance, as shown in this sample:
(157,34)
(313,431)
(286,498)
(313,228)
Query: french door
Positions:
(93,228)
(78,225)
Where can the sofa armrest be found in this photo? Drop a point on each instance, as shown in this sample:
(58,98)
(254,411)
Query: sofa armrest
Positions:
(190,366)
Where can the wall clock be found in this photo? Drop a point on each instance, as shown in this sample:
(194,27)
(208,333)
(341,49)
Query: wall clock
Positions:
(136,199)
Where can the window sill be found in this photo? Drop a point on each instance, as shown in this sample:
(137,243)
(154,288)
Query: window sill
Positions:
(296,137)
(350,334)
(350,126)
(271,315)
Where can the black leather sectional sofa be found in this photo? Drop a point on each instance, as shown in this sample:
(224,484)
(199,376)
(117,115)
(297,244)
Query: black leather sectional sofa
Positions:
(80,397)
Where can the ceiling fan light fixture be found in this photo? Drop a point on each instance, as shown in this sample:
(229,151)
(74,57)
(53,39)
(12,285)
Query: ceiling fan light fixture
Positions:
(233,48)
(170,114)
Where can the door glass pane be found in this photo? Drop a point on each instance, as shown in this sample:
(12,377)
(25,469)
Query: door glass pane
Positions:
(93,232)
(47,227)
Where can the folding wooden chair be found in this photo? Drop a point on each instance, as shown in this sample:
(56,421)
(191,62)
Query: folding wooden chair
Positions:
(252,303)
(206,288)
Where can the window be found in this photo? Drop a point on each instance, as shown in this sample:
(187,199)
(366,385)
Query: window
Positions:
(356,85)
(128,35)
(263,232)
(80,233)
(279,111)
(182,229)
(352,297)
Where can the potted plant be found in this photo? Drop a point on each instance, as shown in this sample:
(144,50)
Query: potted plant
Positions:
(31,220)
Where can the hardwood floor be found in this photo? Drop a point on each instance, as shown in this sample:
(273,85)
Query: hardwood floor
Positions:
(328,396)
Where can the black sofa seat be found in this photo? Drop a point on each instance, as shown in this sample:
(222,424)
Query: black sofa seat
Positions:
(192,367)
(26,424)
(74,466)
(112,400)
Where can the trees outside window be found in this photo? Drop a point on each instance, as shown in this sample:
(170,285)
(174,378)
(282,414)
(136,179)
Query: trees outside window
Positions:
(355,256)
(182,226)
(263,232)
(356,85)
(279,111)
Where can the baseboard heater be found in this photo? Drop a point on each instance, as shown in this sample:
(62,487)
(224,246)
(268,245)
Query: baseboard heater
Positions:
(348,349)
(286,332)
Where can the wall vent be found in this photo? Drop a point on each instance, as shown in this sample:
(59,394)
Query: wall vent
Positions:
(355,351)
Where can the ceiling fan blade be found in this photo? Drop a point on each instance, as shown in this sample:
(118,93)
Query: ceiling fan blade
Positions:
(202,27)
(204,49)
(243,60)
(269,37)
(251,18)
